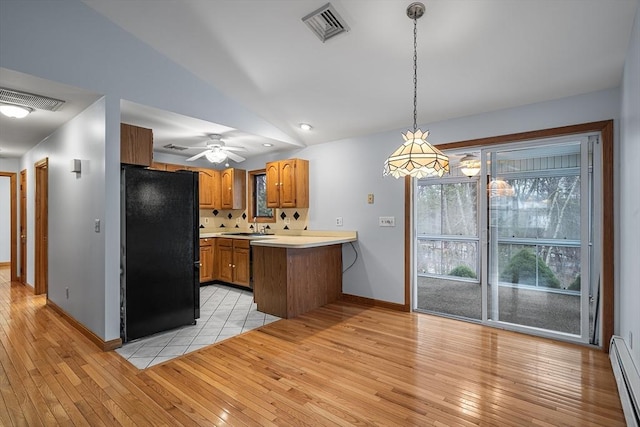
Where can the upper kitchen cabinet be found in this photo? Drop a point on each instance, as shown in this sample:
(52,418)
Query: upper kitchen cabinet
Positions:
(234,184)
(136,145)
(209,188)
(288,184)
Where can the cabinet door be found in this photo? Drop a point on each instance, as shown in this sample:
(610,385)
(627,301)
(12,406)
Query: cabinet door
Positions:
(205,188)
(273,184)
(287,184)
(172,168)
(226,180)
(234,188)
(225,261)
(242,267)
(136,145)
(158,166)
(206,260)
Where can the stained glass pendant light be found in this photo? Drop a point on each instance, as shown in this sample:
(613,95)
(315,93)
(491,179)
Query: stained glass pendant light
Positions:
(416,157)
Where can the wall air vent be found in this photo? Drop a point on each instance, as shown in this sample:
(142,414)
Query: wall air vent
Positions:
(174,147)
(325,22)
(25,99)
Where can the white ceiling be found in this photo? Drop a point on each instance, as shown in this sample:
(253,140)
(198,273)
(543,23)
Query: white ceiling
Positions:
(474,57)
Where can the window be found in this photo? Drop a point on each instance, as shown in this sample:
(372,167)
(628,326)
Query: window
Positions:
(258,190)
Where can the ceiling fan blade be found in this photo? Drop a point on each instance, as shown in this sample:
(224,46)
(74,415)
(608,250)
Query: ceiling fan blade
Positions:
(235,157)
(197,156)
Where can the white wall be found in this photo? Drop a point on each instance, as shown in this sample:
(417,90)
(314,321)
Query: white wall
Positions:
(628,271)
(76,252)
(5,219)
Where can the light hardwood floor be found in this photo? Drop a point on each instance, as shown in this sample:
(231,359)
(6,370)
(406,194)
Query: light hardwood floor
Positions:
(342,364)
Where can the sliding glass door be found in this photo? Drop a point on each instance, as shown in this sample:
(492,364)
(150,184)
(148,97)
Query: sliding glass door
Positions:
(512,246)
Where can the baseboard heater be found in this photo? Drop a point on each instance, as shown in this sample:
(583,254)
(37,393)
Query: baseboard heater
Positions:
(627,378)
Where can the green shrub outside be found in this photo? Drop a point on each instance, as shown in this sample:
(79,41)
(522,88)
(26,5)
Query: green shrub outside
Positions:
(575,285)
(522,269)
(463,271)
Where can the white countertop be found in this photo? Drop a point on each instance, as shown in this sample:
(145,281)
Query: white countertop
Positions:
(299,239)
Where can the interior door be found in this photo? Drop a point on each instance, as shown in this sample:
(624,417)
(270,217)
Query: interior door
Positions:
(23,226)
(41,228)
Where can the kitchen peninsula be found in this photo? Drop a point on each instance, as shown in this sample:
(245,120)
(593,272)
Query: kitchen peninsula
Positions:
(296,272)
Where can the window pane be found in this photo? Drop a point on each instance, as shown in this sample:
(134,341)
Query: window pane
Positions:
(260,196)
(448,258)
(428,208)
(544,207)
(447,208)
(541,266)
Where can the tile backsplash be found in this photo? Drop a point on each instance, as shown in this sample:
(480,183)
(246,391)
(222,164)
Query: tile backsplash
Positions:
(220,220)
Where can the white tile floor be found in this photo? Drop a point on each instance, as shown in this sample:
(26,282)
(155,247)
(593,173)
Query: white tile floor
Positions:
(224,313)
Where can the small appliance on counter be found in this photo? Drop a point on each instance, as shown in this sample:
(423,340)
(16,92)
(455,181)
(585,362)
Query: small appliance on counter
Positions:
(160,279)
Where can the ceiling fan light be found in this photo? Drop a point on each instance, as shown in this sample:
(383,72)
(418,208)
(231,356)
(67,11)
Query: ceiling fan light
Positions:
(216,156)
(15,111)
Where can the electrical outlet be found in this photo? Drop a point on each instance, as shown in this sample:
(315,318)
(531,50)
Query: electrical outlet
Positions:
(370,198)
(238,220)
(206,220)
(287,221)
(96,225)
(339,221)
(387,221)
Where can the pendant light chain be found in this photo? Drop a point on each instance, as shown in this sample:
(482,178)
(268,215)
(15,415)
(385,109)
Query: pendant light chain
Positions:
(415,74)
(416,157)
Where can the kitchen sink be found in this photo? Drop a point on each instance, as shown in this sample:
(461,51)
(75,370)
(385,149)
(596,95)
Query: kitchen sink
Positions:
(244,233)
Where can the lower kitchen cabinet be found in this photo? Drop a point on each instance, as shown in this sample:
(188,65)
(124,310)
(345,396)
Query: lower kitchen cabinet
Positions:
(234,261)
(206,260)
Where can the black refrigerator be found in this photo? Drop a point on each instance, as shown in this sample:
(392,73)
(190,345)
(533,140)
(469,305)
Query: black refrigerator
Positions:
(160,266)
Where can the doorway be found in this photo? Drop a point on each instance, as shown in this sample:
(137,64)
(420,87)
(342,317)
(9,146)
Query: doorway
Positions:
(41,227)
(12,222)
(517,246)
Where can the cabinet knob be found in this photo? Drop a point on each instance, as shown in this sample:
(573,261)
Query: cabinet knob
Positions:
(229,265)
(234,266)
(200,264)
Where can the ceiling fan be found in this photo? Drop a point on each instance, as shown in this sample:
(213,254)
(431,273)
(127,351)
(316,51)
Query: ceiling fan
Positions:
(217,152)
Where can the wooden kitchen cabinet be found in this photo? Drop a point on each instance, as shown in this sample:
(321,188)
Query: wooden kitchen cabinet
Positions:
(288,183)
(206,260)
(136,145)
(234,261)
(288,282)
(233,188)
(209,188)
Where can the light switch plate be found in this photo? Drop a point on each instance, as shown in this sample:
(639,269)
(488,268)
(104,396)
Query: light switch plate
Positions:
(387,221)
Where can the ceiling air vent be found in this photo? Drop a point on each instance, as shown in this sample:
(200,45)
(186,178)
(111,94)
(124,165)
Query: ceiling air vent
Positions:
(175,147)
(325,22)
(25,99)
